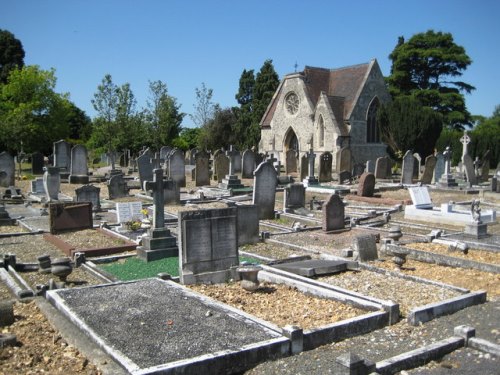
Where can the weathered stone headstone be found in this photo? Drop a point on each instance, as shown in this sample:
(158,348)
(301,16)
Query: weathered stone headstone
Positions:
(145,168)
(430,165)
(291,162)
(7,170)
(439,168)
(79,169)
(117,187)
(248,164)
(407,169)
(370,166)
(202,173)
(237,162)
(333,213)
(469,169)
(164,152)
(37,163)
(485,166)
(221,166)
(171,192)
(294,197)
(248,224)
(365,248)
(344,159)
(344,177)
(62,156)
(417,162)
(447,179)
(70,216)
(465,140)
(303,167)
(264,190)
(366,185)
(52,183)
(381,167)
(209,245)
(176,167)
(325,167)
(89,193)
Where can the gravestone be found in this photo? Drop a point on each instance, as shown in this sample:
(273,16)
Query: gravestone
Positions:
(420,197)
(370,166)
(171,192)
(176,167)
(248,164)
(164,152)
(291,162)
(221,166)
(366,185)
(79,169)
(344,159)
(208,245)
(37,186)
(231,180)
(430,165)
(117,187)
(7,170)
(89,193)
(325,167)
(303,167)
(485,166)
(248,224)
(128,211)
(439,168)
(52,183)
(407,169)
(447,179)
(364,248)
(62,156)
(70,216)
(465,140)
(417,162)
(469,169)
(333,214)
(311,178)
(202,173)
(294,197)
(145,168)
(5,219)
(381,167)
(37,163)
(264,190)
(236,162)
(345,177)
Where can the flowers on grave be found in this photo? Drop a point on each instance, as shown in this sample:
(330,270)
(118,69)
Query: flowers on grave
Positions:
(133,225)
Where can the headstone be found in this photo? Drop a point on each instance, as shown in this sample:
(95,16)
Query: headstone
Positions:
(439,168)
(420,197)
(447,179)
(79,169)
(325,167)
(345,177)
(7,170)
(37,186)
(117,187)
(291,162)
(366,185)
(62,156)
(417,162)
(430,165)
(236,162)
(70,216)
(465,140)
(37,163)
(221,166)
(294,197)
(494,184)
(208,245)
(202,173)
(264,190)
(407,169)
(469,169)
(370,166)
(248,164)
(89,193)
(5,219)
(145,168)
(52,183)
(333,214)
(248,224)
(365,248)
(128,211)
(381,167)
(164,152)
(171,192)
(176,167)
(311,179)
(303,167)
(344,159)
(485,166)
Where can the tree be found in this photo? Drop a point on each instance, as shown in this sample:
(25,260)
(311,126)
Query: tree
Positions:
(163,116)
(11,54)
(80,125)
(405,124)
(266,83)
(486,136)
(425,67)
(218,132)
(32,114)
(188,138)
(244,113)
(204,107)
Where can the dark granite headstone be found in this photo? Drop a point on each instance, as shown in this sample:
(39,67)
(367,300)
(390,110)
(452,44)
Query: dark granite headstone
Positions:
(70,216)
(325,167)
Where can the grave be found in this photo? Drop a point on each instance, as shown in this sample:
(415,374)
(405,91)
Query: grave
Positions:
(447,180)
(145,168)
(70,216)
(52,183)
(430,165)
(294,197)
(7,170)
(159,243)
(37,163)
(366,185)
(313,267)
(439,167)
(117,187)
(364,248)
(248,164)
(264,190)
(344,159)
(325,167)
(333,214)
(127,212)
(381,167)
(89,193)
(177,168)
(370,166)
(208,243)
(407,168)
(231,181)
(470,173)
(291,162)
(221,166)
(4,216)
(62,157)
(202,175)
(79,169)
(310,179)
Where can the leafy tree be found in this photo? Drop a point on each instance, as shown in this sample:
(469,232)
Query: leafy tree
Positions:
(218,132)
(32,114)
(486,136)
(204,107)
(405,124)
(188,138)
(266,83)
(80,125)
(425,67)
(11,54)
(244,113)
(163,116)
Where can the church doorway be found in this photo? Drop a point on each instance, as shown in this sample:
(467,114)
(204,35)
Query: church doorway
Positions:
(291,152)
(291,141)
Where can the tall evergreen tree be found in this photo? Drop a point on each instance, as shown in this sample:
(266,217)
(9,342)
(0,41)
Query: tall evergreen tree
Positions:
(11,54)
(244,113)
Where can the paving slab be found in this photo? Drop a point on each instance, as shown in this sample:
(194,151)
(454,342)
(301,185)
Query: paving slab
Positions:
(155,326)
(313,267)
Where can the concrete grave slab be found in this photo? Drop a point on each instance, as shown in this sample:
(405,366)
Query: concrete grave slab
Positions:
(313,267)
(154,326)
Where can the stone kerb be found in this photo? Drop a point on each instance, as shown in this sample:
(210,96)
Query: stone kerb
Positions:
(264,190)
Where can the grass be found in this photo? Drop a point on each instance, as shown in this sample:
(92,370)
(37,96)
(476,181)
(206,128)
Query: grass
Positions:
(136,269)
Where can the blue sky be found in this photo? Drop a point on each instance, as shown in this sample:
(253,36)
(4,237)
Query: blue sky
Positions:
(185,43)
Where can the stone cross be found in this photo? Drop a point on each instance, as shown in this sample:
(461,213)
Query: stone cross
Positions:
(157,187)
(156,160)
(230,155)
(310,157)
(447,160)
(465,140)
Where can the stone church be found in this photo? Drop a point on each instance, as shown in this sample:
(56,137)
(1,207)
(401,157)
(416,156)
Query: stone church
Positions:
(335,109)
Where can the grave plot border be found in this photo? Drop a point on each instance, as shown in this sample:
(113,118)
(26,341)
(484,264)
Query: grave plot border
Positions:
(70,250)
(246,357)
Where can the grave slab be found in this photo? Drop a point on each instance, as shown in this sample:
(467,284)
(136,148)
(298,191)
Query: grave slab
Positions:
(313,267)
(154,326)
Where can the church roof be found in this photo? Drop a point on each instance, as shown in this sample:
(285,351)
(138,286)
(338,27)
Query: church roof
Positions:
(345,82)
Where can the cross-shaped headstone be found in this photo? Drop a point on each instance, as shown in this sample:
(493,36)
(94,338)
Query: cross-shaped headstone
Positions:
(465,140)
(157,187)
(447,160)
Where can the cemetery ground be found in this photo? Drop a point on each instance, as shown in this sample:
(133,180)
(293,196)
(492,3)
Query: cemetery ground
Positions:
(47,345)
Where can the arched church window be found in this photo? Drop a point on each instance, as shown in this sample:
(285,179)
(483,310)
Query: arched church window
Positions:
(372,132)
(321,131)
(292,103)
